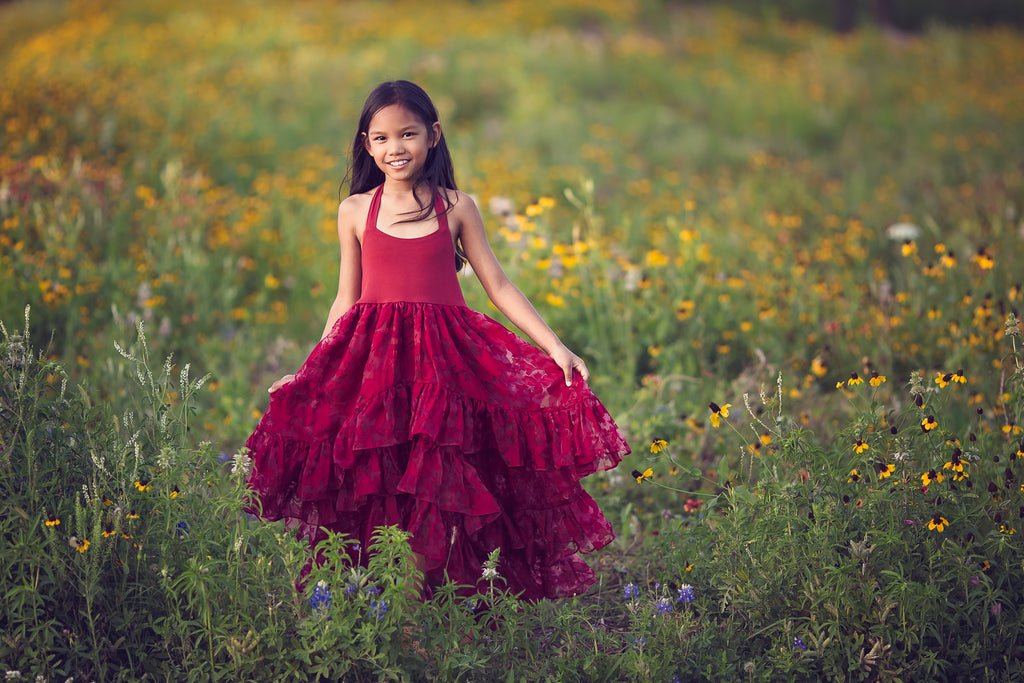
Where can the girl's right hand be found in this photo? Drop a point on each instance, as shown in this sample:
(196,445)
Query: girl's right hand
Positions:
(280,383)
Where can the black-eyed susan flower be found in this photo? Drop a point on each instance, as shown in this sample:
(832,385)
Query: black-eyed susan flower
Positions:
(52,520)
(876,379)
(685,309)
(658,445)
(718,412)
(1007,530)
(132,514)
(931,476)
(82,545)
(983,260)
(943,379)
(854,477)
(818,367)
(937,523)
(640,476)
(909,248)
(143,485)
(929,423)
(958,377)
(174,492)
(692,423)
(859,446)
(854,379)
(948,259)
(954,463)
(108,530)
(884,469)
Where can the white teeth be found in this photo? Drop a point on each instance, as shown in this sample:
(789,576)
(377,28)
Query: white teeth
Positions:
(397,164)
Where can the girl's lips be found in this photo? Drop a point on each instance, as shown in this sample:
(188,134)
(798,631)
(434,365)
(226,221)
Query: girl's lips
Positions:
(398,164)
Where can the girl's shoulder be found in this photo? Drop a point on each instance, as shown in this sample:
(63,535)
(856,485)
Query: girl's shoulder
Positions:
(459,202)
(352,212)
(356,202)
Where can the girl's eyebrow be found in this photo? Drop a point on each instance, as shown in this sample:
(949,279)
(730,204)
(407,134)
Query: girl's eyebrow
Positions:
(374,131)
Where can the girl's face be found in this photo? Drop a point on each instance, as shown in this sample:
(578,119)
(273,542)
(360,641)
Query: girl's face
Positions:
(399,142)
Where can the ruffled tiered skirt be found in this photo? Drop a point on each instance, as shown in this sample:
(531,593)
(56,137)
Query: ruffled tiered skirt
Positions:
(438,419)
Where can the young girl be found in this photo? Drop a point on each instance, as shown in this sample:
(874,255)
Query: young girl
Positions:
(418,411)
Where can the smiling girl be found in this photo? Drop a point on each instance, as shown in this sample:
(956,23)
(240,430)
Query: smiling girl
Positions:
(415,410)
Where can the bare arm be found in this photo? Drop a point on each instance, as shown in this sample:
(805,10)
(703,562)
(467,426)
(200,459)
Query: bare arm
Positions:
(505,295)
(349,276)
(350,273)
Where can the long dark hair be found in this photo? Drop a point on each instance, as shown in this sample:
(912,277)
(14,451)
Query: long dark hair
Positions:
(438,172)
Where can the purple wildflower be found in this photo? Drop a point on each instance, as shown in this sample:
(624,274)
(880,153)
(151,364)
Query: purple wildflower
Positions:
(321,600)
(378,609)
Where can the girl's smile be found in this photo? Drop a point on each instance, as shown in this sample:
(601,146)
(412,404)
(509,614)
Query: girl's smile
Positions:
(400,142)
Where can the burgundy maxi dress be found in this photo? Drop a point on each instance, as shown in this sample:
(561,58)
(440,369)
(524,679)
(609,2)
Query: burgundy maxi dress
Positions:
(416,410)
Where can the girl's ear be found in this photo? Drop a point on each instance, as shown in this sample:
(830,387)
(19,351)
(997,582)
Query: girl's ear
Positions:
(436,128)
(366,141)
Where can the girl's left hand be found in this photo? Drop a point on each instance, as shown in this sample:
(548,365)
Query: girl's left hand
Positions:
(569,361)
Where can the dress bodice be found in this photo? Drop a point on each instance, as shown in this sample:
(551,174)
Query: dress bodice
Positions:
(415,269)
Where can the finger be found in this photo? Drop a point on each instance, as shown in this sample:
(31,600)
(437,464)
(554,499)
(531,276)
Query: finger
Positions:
(582,367)
(567,371)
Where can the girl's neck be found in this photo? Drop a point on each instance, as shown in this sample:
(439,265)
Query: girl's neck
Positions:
(405,191)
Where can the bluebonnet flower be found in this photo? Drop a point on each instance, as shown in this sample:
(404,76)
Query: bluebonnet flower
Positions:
(352,588)
(321,600)
(372,590)
(639,642)
(799,644)
(686,593)
(631,591)
(182,528)
(378,609)
(664,606)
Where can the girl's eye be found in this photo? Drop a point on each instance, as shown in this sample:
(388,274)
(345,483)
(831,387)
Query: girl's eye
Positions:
(379,138)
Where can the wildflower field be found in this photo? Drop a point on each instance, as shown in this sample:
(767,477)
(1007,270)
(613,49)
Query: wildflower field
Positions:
(790,258)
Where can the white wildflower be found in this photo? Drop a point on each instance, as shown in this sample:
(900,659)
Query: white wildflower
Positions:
(901,232)
(241,462)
